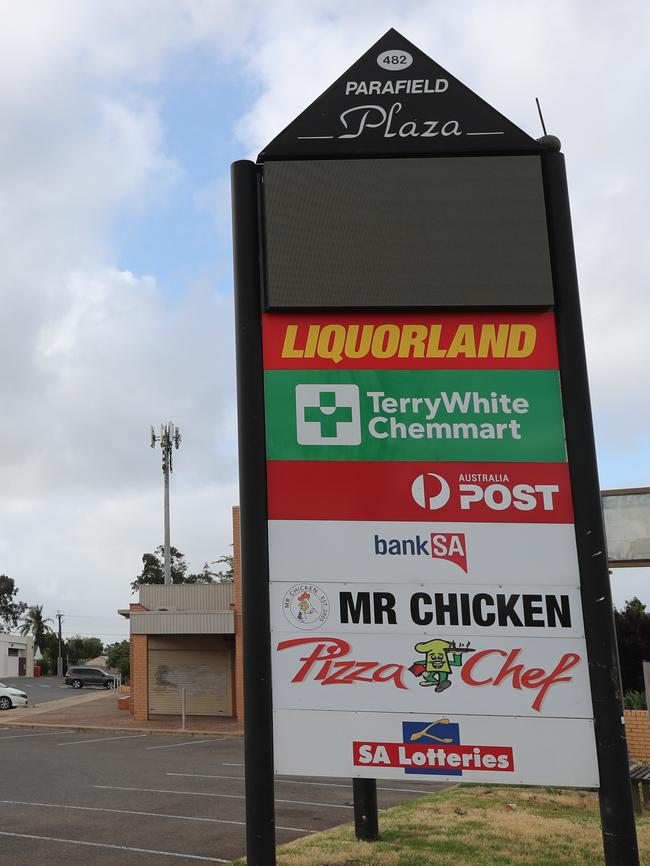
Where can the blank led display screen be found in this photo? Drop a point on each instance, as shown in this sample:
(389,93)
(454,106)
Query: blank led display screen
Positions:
(416,232)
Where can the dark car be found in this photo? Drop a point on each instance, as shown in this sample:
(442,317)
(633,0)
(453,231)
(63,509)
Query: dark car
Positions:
(79,677)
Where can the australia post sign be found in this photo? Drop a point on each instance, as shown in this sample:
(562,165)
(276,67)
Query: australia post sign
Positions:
(425,601)
(414,562)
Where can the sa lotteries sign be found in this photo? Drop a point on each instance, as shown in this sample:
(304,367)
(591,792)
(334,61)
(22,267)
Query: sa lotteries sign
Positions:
(469,748)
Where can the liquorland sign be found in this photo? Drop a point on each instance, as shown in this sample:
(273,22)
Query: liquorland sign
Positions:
(423,551)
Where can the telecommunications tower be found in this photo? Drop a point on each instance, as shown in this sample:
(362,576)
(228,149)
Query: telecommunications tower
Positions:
(170,438)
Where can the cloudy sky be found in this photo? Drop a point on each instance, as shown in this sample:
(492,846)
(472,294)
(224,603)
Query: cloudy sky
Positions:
(118,123)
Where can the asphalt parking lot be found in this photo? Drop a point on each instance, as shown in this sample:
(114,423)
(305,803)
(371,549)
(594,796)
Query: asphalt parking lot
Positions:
(82,799)
(41,690)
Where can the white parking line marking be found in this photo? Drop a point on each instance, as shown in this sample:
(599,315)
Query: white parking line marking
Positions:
(147,814)
(205,776)
(23,736)
(188,743)
(114,847)
(233,765)
(293,782)
(206,794)
(102,740)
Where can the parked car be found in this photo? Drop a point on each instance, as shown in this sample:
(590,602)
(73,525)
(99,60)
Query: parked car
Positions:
(78,677)
(10,697)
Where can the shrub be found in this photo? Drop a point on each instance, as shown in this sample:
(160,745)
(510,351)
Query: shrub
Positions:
(119,658)
(635,701)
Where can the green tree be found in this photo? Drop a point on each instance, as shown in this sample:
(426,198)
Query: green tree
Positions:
(153,569)
(10,609)
(74,648)
(633,636)
(119,658)
(50,651)
(35,623)
(93,647)
(223,575)
(82,649)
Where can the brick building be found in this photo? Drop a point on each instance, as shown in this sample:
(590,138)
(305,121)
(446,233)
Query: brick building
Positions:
(186,639)
(637,728)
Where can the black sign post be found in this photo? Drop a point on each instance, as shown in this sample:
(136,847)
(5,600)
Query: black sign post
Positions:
(366,815)
(616,808)
(258,705)
(400,189)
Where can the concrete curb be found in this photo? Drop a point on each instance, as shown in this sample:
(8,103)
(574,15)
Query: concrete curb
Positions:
(111,730)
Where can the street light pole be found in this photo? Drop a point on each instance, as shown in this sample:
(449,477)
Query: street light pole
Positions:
(170,437)
(59,660)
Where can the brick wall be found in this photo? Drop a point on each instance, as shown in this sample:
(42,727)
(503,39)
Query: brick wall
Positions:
(139,693)
(637,727)
(238,690)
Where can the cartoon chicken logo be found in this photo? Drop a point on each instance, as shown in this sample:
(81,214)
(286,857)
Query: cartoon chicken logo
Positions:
(304,605)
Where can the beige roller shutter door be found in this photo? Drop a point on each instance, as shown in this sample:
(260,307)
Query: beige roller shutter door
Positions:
(201,664)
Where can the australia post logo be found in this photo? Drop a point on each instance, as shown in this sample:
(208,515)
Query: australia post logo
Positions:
(435,749)
(388,491)
(481,490)
(449,546)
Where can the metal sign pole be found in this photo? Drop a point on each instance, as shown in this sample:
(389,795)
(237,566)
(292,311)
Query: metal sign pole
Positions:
(366,817)
(258,729)
(617,816)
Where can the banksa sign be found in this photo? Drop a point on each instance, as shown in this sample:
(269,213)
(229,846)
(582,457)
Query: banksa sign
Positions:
(425,576)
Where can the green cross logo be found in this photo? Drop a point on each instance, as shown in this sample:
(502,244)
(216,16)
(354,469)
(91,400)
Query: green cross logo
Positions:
(328,415)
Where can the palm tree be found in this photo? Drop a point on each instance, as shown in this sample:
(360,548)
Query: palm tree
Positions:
(34,622)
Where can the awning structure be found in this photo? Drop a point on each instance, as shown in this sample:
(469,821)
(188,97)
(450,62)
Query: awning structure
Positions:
(182,622)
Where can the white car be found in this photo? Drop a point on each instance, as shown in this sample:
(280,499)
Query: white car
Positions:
(10,697)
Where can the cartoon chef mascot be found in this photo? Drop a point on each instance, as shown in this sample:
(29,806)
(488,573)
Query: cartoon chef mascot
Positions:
(440,657)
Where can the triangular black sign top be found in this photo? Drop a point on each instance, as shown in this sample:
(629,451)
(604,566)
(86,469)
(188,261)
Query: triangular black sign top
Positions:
(397,101)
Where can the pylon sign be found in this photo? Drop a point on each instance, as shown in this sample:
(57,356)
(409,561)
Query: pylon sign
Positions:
(393,603)
(433,557)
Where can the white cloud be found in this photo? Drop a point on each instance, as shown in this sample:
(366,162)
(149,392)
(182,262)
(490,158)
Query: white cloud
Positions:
(93,353)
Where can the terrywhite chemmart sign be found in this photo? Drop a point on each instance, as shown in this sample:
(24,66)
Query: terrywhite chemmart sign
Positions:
(425,602)
(414,415)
